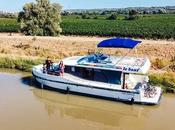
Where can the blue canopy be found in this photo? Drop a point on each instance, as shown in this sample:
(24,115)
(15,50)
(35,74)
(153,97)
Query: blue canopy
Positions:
(119,43)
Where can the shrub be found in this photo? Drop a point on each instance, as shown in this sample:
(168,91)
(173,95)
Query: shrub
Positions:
(165,80)
(18,63)
(133,15)
(85,16)
(95,17)
(160,63)
(112,17)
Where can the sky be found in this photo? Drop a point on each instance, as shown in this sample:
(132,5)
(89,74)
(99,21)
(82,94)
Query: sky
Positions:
(16,5)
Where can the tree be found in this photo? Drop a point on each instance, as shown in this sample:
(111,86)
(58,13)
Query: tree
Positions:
(112,16)
(85,16)
(103,13)
(95,17)
(41,18)
(133,14)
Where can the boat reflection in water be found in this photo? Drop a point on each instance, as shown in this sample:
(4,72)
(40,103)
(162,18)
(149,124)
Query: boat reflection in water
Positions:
(93,111)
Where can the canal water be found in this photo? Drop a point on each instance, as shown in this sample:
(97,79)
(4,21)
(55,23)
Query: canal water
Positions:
(23,107)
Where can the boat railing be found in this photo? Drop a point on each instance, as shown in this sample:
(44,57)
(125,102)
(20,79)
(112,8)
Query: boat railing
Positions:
(149,91)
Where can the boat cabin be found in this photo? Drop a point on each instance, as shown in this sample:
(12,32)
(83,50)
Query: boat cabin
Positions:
(103,68)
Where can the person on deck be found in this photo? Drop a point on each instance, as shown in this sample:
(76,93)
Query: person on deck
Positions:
(48,64)
(61,66)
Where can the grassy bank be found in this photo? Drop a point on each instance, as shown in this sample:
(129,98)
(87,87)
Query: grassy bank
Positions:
(19,63)
(165,80)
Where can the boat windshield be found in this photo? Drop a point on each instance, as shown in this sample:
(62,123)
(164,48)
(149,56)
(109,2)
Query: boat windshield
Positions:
(95,58)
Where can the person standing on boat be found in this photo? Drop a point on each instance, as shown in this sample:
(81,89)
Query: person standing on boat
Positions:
(48,63)
(61,67)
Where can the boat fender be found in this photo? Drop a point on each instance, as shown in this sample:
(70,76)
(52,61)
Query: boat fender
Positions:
(132,100)
(67,90)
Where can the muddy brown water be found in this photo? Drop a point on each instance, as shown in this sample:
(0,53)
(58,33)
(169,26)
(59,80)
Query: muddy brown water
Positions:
(23,107)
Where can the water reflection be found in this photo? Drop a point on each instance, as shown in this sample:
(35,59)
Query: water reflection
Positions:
(93,110)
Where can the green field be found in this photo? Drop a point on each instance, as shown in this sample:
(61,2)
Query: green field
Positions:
(148,26)
(9,25)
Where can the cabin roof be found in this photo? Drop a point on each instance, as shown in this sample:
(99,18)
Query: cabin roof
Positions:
(116,63)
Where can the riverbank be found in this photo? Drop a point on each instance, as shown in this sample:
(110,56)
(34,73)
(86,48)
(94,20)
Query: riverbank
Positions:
(19,63)
(23,52)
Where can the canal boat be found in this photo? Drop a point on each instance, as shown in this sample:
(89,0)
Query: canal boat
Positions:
(118,78)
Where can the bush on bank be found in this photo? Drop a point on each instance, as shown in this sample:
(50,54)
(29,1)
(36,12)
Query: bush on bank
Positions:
(18,63)
(165,80)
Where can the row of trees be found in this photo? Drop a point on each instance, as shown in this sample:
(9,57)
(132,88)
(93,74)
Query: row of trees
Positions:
(133,14)
(158,10)
(8,15)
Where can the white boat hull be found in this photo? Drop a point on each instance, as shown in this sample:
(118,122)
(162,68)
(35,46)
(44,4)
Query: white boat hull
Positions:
(58,82)
(88,90)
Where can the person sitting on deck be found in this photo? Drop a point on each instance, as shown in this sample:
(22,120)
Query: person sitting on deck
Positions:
(61,67)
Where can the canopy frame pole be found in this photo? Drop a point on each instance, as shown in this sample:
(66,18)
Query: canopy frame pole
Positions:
(123,57)
(136,52)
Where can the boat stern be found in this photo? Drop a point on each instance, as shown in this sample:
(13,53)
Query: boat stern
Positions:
(151,97)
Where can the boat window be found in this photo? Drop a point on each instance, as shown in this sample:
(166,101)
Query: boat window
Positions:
(112,77)
(100,76)
(106,76)
(73,69)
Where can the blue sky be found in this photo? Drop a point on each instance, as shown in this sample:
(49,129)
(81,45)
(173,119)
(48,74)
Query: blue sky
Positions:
(16,5)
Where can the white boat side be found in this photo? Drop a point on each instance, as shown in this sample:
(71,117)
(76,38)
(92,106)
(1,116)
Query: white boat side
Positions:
(75,84)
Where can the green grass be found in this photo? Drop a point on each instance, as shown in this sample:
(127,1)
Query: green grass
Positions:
(165,80)
(18,63)
(147,26)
